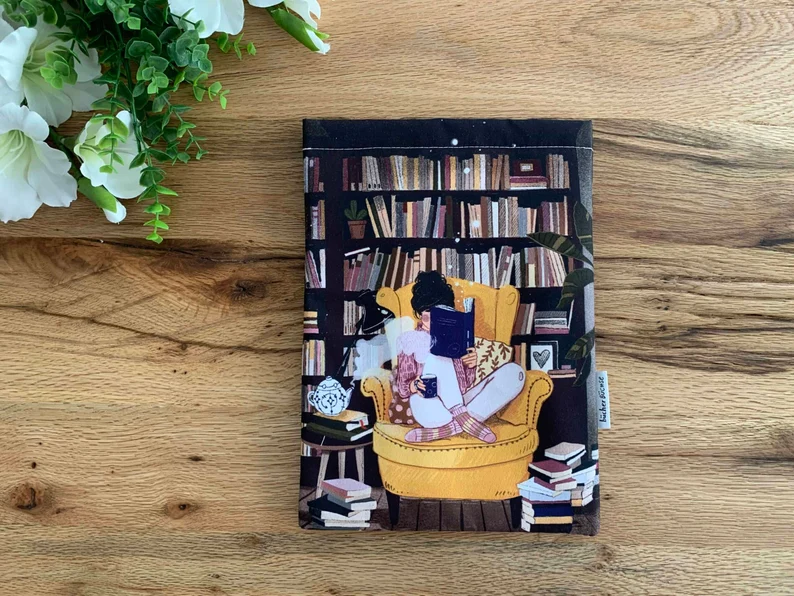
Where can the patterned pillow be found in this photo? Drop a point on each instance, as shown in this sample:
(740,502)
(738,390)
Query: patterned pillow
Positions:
(490,356)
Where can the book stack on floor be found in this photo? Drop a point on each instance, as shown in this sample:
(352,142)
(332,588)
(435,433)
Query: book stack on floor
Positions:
(547,495)
(586,476)
(346,505)
(349,426)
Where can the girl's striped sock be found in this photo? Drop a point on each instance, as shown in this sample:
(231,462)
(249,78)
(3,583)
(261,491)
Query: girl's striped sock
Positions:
(425,435)
(472,426)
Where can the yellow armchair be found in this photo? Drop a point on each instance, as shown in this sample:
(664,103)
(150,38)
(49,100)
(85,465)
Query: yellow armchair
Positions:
(460,467)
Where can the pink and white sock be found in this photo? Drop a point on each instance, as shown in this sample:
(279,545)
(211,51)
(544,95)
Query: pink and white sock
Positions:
(425,435)
(471,425)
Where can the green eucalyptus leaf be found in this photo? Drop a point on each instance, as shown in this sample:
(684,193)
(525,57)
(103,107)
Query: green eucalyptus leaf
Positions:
(137,48)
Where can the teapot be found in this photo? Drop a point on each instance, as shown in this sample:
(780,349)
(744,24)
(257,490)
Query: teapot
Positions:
(330,397)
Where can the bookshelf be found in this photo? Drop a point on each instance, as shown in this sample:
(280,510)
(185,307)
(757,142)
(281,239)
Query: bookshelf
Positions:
(455,234)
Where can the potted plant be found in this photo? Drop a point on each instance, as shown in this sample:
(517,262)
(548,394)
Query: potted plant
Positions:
(356,221)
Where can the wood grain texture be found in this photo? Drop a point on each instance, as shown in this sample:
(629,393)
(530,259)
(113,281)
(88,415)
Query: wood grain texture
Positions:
(149,395)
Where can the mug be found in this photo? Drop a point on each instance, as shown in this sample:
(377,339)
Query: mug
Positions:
(431,386)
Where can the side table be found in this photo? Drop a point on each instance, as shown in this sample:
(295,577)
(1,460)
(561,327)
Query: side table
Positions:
(341,454)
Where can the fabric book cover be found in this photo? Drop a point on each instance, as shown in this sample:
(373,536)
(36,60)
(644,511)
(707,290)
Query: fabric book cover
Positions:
(449,378)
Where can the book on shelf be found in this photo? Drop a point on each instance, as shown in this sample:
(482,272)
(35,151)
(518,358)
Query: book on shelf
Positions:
(452,331)
(552,322)
(557,171)
(351,315)
(554,217)
(314,357)
(500,218)
(524,319)
(566,371)
(526,268)
(451,172)
(311,175)
(315,269)
(310,322)
(425,218)
(317,220)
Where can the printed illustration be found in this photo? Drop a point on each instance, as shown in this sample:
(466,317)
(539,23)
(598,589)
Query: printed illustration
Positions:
(448,339)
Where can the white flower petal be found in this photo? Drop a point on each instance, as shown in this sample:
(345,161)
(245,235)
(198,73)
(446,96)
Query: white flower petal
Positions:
(84,94)
(124,183)
(87,67)
(18,200)
(14,117)
(8,95)
(56,189)
(14,50)
(264,3)
(322,47)
(119,215)
(53,104)
(207,11)
(232,15)
(305,8)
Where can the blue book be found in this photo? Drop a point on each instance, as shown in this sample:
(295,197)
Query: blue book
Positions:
(553,510)
(452,331)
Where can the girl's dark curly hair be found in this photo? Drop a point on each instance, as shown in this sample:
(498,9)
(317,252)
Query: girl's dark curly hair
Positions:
(431,289)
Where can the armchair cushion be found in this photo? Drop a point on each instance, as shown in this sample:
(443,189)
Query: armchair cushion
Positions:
(460,451)
(490,356)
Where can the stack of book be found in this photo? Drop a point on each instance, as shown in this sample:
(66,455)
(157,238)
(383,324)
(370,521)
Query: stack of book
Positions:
(557,172)
(315,269)
(554,217)
(351,315)
(311,175)
(349,426)
(585,474)
(552,322)
(318,221)
(314,357)
(564,372)
(310,323)
(451,172)
(524,318)
(427,218)
(502,218)
(346,505)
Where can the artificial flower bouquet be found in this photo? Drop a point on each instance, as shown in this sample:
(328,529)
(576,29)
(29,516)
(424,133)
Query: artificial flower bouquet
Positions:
(124,60)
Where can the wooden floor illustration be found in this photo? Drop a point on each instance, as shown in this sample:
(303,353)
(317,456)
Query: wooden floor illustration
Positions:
(448,515)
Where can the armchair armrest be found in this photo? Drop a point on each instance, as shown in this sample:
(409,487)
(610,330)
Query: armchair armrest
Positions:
(525,409)
(376,383)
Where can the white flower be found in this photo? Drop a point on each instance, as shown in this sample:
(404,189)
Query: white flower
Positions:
(31,172)
(225,16)
(116,216)
(305,8)
(124,183)
(22,55)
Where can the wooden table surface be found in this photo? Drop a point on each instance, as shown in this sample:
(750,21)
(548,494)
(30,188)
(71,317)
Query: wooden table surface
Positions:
(149,395)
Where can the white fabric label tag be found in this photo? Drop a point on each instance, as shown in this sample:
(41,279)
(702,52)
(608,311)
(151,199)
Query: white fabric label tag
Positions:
(604,419)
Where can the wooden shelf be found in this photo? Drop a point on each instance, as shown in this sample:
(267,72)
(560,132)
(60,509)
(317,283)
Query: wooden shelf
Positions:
(557,193)
(458,243)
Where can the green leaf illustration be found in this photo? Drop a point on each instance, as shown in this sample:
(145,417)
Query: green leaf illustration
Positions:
(582,346)
(583,222)
(573,285)
(559,244)
(581,378)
